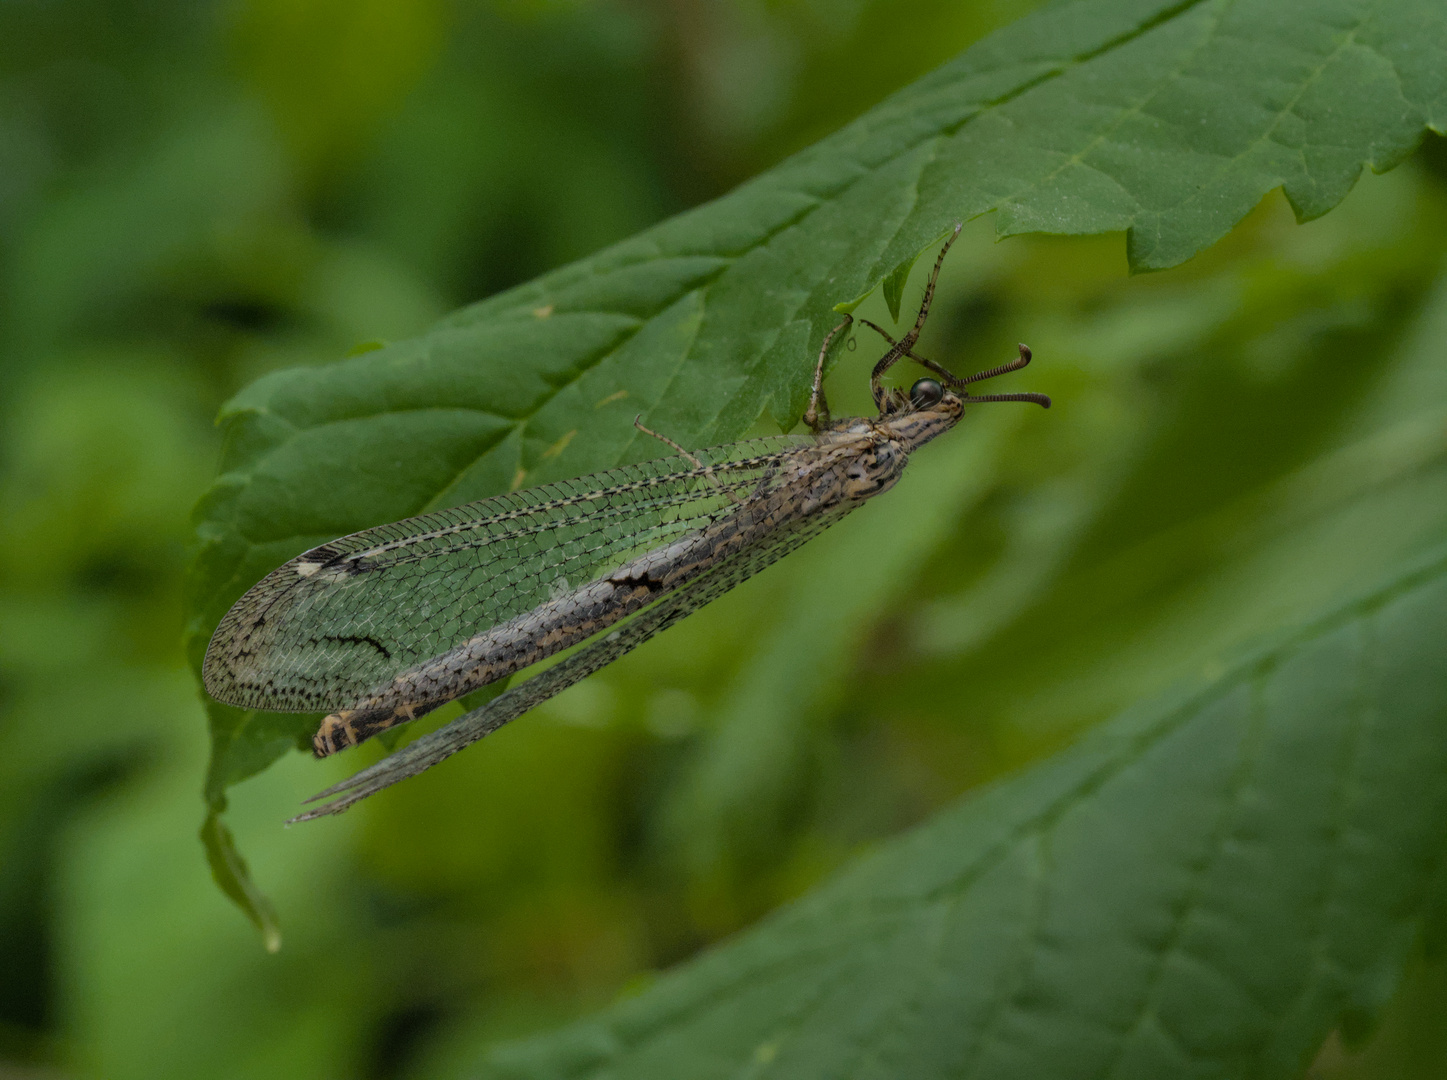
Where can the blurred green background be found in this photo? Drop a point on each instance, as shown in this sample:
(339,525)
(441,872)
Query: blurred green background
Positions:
(194,194)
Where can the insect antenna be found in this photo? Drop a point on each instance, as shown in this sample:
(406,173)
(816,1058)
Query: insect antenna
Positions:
(1003,369)
(954,382)
(1013,365)
(1038,399)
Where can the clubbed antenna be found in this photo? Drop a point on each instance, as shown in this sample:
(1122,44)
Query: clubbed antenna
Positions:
(1038,399)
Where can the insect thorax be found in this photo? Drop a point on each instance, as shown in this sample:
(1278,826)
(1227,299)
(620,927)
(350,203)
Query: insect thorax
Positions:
(915,427)
(867,461)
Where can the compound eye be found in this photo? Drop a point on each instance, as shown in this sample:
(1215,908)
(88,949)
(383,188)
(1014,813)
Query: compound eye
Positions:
(926,392)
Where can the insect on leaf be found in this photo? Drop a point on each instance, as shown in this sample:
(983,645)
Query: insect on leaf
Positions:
(1080,118)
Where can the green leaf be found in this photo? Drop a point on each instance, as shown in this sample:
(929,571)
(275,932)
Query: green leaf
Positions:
(894,287)
(1168,120)
(234,879)
(1205,886)
(893,284)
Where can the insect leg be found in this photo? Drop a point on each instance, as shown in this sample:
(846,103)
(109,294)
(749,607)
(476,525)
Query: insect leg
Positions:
(352,726)
(707,470)
(906,343)
(951,379)
(665,440)
(816,416)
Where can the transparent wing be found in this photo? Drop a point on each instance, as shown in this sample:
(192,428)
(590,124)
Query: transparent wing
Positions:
(327,628)
(468,728)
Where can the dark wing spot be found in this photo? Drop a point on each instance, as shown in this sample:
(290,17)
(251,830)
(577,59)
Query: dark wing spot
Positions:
(360,639)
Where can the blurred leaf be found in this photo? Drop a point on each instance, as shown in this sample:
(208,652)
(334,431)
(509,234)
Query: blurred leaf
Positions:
(865,40)
(100,252)
(1410,1042)
(1204,886)
(1084,118)
(331,70)
(533,141)
(162,980)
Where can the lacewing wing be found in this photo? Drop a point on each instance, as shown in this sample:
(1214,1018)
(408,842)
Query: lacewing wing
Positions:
(383,626)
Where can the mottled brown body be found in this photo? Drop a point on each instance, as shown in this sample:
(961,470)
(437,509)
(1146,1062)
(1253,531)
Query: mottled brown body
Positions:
(851,463)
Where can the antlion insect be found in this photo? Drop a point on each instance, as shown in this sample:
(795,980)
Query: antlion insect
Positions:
(388,624)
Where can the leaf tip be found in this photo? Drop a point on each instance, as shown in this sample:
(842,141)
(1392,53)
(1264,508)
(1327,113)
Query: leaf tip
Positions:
(229,870)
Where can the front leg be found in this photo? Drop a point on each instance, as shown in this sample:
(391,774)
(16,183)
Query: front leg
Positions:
(816,416)
(951,379)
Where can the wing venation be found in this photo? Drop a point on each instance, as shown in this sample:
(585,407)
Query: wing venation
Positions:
(333,624)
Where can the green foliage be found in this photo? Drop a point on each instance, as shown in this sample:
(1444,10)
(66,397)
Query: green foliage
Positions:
(1203,886)
(1244,449)
(1085,121)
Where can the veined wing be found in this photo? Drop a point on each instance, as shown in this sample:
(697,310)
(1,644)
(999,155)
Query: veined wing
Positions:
(334,624)
(597,654)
